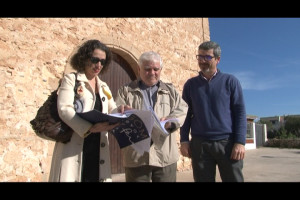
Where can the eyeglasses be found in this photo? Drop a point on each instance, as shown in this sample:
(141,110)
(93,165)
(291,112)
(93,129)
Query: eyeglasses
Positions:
(206,58)
(95,60)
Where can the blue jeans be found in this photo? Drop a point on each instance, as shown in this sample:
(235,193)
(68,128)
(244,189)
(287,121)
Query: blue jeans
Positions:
(207,154)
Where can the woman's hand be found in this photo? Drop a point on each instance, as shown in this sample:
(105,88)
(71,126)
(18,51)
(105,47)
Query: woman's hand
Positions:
(102,126)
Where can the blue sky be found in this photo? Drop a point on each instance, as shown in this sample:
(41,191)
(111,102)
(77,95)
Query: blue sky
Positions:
(264,54)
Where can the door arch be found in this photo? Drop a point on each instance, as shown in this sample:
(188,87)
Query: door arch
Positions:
(119,73)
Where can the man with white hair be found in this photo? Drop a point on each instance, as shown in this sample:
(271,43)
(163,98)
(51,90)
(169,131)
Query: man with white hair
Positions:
(149,92)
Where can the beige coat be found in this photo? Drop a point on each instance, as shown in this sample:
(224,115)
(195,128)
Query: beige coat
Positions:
(66,161)
(164,150)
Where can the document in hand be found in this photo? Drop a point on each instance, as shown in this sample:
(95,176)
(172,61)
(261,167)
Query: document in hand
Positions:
(135,125)
(161,124)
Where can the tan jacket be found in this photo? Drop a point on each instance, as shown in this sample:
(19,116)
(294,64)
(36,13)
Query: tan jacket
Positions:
(164,150)
(66,162)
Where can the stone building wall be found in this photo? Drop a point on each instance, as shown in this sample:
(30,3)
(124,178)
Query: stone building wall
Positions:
(35,52)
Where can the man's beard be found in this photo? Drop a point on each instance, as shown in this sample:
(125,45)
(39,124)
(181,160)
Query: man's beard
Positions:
(205,68)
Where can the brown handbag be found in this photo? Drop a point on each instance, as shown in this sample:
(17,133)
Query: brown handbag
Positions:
(47,123)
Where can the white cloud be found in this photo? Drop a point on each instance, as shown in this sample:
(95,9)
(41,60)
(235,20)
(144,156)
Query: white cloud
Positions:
(250,81)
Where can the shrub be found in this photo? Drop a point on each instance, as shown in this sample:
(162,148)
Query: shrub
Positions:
(283,143)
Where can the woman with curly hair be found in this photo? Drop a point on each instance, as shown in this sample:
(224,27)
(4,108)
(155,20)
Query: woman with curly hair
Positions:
(86,157)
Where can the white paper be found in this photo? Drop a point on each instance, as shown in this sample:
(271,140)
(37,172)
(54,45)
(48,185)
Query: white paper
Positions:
(142,146)
(120,115)
(161,124)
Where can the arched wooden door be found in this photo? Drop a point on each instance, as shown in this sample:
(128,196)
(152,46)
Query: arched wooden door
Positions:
(119,73)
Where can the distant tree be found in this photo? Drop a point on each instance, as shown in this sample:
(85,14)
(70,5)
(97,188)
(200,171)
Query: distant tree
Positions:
(292,125)
(271,133)
(268,123)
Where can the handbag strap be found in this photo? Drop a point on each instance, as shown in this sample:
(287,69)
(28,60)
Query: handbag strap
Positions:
(78,105)
(76,83)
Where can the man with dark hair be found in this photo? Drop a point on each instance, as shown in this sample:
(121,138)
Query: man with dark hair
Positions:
(216,119)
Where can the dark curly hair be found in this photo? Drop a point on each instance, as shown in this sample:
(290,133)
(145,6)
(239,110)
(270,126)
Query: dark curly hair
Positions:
(85,52)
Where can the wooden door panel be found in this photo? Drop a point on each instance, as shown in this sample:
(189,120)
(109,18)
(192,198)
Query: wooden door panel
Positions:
(119,73)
